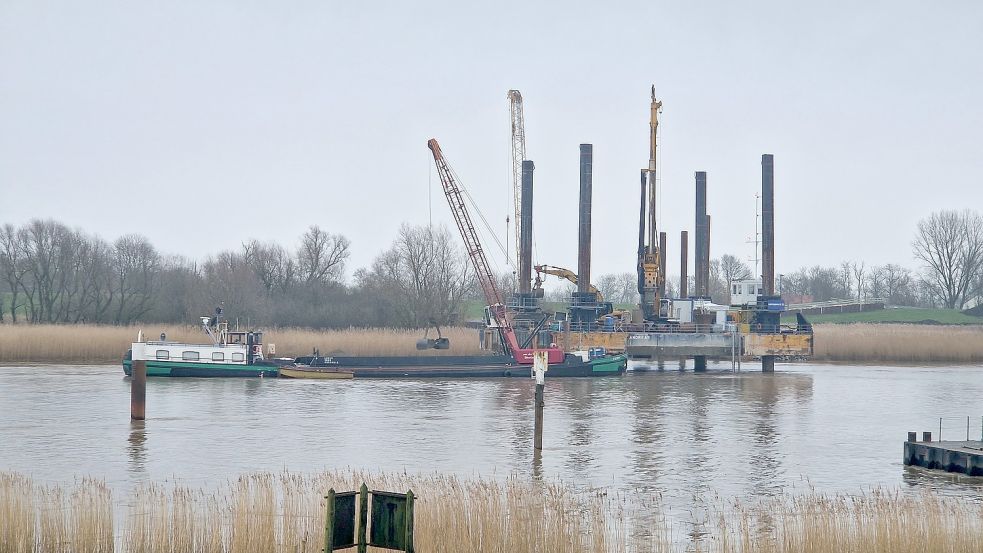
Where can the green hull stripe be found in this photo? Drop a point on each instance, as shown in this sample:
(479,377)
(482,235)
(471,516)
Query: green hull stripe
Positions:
(614,364)
(163,368)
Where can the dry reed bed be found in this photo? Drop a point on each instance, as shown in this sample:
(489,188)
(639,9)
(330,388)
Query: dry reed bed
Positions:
(267,513)
(888,343)
(899,343)
(106,344)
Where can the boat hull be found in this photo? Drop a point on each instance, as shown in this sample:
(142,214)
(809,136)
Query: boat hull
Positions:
(480,366)
(203,370)
(314,373)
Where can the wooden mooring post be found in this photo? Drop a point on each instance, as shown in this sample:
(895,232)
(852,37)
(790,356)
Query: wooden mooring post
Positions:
(540,364)
(138,390)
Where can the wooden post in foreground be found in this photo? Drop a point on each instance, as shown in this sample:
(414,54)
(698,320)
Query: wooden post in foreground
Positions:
(540,363)
(138,390)
(329,522)
(363,517)
(409,522)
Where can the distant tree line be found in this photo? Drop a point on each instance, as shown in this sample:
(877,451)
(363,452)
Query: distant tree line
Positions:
(948,246)
(50,273)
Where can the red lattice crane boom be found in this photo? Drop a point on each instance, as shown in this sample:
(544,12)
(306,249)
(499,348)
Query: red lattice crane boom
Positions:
(480,262)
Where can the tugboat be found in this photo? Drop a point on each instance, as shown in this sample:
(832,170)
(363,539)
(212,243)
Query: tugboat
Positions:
(230,353)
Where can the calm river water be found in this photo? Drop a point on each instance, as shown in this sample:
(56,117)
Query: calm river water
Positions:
(747,434)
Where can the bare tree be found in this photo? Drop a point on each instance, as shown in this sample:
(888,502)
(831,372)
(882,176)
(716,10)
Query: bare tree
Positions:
(718,287)
(950,244)
(672,286)
(607,285)
(98,290)
(898,285)
(231,283)
(824,283)
(796,284)
(562,293)
(136,266)
(271,263)
(846,281)
(507,285)
(628,288)
(13,266)
(731,269)
(322,256)
(875,282)
(860,278)
(423,278)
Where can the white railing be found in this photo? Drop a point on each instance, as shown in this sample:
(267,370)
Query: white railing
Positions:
(834,303)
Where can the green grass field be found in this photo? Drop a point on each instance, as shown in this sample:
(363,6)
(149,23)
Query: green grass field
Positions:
(894,315)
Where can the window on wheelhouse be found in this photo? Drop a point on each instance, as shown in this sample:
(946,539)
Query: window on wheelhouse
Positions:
(238,357)
(189,355)
(218,356)
(163,354)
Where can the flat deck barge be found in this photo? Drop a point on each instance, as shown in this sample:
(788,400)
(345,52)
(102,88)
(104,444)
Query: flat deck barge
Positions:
(465,366)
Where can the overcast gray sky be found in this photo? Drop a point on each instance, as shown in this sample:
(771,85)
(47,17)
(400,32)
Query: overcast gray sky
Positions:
(203,124)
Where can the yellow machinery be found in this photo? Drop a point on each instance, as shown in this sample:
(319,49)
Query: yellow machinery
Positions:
(566,274)
(651,280)
(622,315)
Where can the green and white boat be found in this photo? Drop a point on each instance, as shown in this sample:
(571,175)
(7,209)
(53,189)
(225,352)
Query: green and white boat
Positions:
(231,353)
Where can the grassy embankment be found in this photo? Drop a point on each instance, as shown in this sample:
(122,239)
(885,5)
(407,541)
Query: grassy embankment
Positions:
(284,514)
(106,344)
(894,315)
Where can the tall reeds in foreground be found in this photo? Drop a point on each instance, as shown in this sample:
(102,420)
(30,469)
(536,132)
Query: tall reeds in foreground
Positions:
(55,519)
(899,343)
(266,513)
(18,513)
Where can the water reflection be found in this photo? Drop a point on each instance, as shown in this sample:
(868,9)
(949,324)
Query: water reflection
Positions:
(137,449)
(580,400)
(687,438)
(537,465)
(765,457)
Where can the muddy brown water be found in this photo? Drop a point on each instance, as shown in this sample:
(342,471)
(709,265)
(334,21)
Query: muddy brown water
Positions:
(831,428)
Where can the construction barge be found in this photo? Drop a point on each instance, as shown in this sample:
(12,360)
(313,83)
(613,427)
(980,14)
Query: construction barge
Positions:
(234,353)
(466,366)
(661,327)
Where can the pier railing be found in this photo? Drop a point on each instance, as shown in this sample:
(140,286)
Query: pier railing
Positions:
(684,328)
(836,306)
(960,428)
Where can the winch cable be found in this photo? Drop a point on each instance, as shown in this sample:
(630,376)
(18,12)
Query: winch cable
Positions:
(481,215)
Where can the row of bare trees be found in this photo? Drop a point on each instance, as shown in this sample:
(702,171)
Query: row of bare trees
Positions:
(50,273)
(56,274)
(895,284)
(949,246)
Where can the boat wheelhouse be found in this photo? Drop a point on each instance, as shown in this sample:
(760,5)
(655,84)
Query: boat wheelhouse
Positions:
(231,353)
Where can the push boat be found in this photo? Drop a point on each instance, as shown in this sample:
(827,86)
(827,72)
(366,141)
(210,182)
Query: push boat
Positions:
(231,353)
